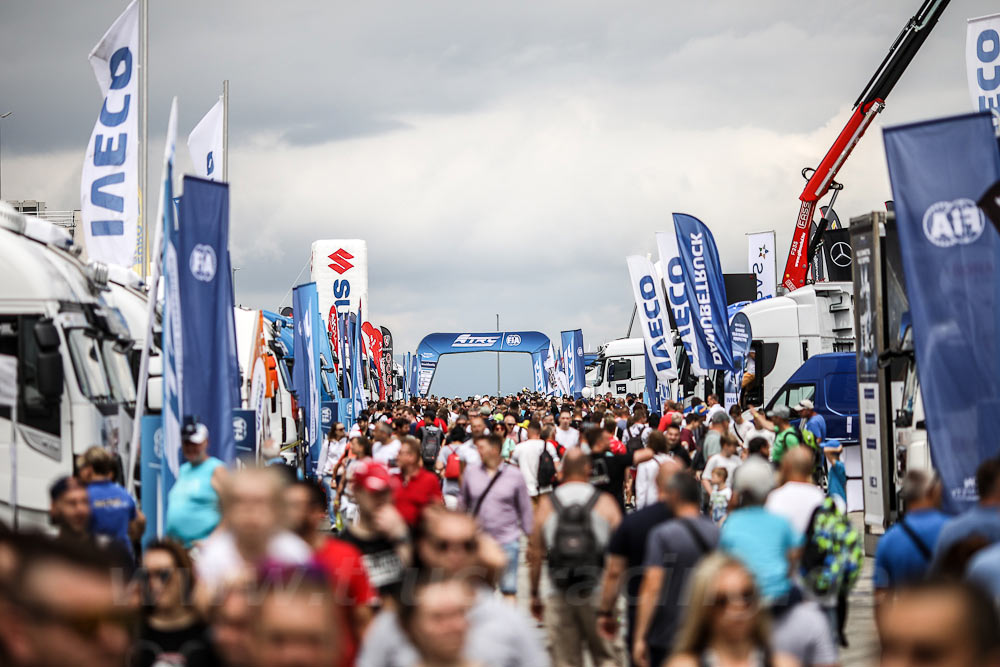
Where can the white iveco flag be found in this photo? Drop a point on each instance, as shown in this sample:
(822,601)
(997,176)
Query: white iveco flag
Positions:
(109,187)
(673,279)
(205,144)
(760,259)
(653,319)
(982,62)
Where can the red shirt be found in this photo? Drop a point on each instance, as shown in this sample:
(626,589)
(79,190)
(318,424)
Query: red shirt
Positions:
(351,588)
(617,446)
(666,420)
(423,489)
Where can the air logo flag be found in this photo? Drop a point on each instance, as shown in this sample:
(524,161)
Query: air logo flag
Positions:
(205,143)
(306,370)
(982,61)
(673,278)
(109,187)
(951,259)
(654,322)
(706,291)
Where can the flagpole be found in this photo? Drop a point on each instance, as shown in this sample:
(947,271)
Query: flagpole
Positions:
(498,359)
(225,130)
(144,137)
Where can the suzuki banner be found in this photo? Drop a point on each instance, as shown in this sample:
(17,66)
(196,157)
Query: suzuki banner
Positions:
(760,260)
(572,354)
(306,369)
(653,320)
(206,298)
(982,62)
(706,291)
(683,314)
(205,143)
(434,345)
(951,256)
(109,187)
(340,270)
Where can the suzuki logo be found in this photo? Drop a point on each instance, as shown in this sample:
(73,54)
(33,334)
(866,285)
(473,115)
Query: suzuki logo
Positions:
(340,261)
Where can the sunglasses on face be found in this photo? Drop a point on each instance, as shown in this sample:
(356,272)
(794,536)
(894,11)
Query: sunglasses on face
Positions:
(746,597)
(86,625)
(468,546)
(160,575)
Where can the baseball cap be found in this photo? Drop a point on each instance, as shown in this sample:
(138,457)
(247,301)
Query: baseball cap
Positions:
(485,399)
(485,411)
(477,397)
(754,477)
(804,404)
(372,476)
(831,443)
(195,432)
(780,411)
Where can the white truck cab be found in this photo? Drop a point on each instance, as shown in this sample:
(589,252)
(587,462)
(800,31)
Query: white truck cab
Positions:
(620,368)
(74,377)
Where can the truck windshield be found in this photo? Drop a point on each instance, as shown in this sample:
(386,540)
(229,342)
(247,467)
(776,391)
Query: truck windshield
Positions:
(119,372)
(600,372)
(85,351)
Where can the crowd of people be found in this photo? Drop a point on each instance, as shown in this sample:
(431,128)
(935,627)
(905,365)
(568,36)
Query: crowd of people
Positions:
(517,531)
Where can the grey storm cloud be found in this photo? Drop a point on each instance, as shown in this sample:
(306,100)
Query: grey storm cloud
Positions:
(497,157)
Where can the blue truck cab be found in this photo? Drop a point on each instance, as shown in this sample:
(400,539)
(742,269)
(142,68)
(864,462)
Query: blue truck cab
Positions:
(830,381)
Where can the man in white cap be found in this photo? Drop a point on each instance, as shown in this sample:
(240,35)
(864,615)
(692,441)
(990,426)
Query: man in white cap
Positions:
(811,420)
(778,421)
(193,509)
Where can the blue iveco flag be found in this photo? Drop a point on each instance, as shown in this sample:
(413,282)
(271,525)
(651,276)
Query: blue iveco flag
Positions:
(206,297)
(706,291)
(572,352)
(306,369)
(938,170)
(652,387)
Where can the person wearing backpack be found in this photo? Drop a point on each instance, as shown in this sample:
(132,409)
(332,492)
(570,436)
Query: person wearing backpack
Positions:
(538,461)
(431,439)
(673,550)
(786,436)
(905,552)
(449,467)
(571,530)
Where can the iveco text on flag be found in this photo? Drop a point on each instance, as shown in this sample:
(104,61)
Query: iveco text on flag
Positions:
(205,143)
(653,320)
(206,297)
(706,291)
(982,62)
(109,187)
(951,260)
(673,278)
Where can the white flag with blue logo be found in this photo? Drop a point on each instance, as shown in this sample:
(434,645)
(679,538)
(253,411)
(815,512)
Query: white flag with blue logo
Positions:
(205,144)
(653,319)
(172,343)
(109,186)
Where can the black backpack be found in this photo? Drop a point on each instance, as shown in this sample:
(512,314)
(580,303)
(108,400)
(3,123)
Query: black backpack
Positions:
(430,444)
(633,441)
(575,558)
(546,468)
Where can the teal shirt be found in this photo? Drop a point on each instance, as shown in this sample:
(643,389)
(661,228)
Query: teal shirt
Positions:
(761,540)
(193,505)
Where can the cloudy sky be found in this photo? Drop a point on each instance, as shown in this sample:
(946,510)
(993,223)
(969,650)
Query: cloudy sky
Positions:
(498,157)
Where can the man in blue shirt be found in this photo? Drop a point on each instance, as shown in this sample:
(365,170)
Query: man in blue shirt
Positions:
(905,551)
(113,512)
(812,421)
(765,542)
(982,521)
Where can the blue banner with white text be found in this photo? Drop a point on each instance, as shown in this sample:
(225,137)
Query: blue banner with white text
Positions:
(306,369)
(572,353)
(938,170)
(706,291)
(206,296)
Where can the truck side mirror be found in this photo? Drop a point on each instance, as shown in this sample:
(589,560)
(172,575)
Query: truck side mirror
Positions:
(154,394)
(46,335)
(50,375)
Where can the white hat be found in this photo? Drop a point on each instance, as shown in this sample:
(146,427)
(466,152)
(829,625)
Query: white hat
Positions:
(804,404)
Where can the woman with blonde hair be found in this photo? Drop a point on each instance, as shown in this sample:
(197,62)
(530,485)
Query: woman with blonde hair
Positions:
(725,626)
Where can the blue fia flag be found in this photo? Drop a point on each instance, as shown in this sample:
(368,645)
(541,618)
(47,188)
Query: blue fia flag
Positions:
(938,169)
(206,298)
(706,291)
(306,369)
(572,354)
